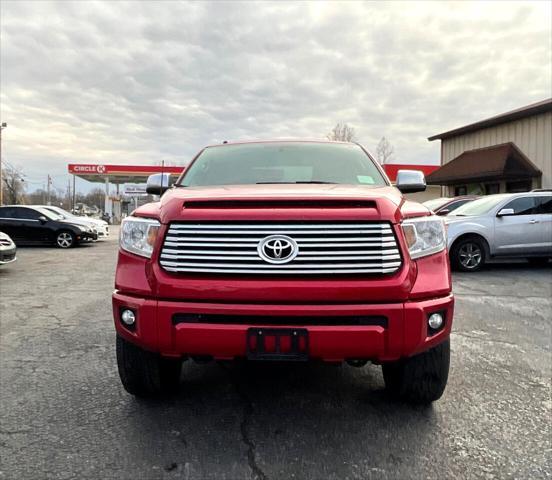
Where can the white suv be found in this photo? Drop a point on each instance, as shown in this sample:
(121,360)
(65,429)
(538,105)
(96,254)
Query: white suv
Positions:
(501,226)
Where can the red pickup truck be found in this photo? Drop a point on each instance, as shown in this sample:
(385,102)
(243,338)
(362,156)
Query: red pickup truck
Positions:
(284,250)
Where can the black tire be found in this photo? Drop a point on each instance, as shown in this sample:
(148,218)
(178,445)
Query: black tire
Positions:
(468,254)
(146,374)
(65,239)
(538,261)
(419,379)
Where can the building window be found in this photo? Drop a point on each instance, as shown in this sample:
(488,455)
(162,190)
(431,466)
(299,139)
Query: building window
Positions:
(460,190)
(492,188)
(519,186)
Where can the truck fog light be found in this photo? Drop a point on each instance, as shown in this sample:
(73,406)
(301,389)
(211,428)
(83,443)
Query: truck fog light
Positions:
(435,321)
(128,317)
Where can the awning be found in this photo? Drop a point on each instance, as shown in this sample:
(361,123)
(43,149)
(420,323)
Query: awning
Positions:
(499,162)
(120,173)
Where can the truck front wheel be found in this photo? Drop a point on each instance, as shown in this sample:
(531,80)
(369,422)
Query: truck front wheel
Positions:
(421,378)
(143,373)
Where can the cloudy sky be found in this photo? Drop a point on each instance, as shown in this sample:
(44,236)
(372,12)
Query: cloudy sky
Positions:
(139,82)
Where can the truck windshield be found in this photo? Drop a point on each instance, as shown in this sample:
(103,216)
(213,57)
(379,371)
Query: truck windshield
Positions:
(283,162)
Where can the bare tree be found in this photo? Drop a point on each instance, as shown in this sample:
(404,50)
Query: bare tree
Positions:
(384,151)
(95,197)
(39,197)
(342,133)
(14,186)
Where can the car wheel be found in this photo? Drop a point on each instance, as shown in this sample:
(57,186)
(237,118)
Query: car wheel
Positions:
(419,379)
(468,255)
(143,373)
(65,239)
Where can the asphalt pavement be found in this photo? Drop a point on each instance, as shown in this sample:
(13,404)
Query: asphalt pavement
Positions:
(64,414)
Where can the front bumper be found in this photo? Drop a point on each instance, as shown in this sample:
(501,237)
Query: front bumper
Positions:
(159,327)
(8,255)
(87,236)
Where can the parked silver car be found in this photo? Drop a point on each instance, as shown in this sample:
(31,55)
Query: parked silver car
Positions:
(7,249)
(501,226)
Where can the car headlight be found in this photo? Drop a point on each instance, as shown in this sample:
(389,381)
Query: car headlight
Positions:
(424,235)
(138,235)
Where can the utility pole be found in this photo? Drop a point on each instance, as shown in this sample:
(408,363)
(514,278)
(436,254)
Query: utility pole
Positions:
(48,190)
(74,193)
(2,126)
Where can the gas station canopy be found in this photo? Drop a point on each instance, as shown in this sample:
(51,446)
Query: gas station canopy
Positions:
(119,174)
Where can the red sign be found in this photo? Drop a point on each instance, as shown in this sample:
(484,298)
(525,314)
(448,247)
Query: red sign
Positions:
(99,169)
(393,168)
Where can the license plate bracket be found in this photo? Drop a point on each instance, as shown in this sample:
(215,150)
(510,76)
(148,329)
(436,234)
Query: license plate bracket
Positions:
(277,344)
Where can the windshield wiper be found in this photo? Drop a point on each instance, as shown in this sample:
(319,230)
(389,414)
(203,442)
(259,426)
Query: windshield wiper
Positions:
(300,182)
(319,181)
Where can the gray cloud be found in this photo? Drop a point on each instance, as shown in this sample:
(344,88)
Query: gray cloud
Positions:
(139,82)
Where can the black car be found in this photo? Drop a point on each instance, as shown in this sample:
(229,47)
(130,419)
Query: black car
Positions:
(31,225)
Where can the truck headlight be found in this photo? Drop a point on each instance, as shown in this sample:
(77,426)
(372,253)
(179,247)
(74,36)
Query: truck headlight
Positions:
(424,235)
(138,235)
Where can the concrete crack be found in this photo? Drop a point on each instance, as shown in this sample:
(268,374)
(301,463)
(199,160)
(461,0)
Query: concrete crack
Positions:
(248,410)
(13,432)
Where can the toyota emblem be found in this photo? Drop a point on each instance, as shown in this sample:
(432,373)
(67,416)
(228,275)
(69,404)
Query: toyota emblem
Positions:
(277,249)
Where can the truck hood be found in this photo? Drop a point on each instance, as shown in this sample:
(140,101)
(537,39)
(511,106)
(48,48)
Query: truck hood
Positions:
(283,201)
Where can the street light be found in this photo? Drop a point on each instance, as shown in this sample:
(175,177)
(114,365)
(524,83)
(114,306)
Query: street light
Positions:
(2,126)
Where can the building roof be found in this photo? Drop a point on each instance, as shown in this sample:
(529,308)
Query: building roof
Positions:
(533,109)
(499,162)
(391,169)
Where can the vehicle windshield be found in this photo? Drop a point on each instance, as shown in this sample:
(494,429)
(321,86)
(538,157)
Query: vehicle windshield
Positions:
(436,203)
(48,213)
(283,162)
(59,211)
(478,207)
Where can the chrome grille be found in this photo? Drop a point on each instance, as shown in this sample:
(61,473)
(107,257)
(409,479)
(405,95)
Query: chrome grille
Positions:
(324,248)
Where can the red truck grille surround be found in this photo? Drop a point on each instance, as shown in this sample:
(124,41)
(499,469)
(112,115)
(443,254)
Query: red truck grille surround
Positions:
(297,248)
(357,320)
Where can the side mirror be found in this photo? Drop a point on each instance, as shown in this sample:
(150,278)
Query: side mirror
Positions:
(443,212)
(42,219)
(158,184)
(410,181)
(504,212)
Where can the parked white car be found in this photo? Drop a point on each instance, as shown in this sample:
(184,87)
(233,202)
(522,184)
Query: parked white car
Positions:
(101,226)
(501,226)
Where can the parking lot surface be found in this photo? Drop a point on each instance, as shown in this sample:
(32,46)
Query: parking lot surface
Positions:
(64,414)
